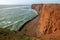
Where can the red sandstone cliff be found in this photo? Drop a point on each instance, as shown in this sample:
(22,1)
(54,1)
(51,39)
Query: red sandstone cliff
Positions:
(47,23)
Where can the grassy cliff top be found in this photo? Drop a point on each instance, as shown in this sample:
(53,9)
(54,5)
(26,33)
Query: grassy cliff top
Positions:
(6,34)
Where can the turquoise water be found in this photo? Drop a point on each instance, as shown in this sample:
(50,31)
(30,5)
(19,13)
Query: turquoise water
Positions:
(13,18)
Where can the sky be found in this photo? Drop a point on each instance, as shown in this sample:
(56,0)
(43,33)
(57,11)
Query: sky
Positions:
(27,2)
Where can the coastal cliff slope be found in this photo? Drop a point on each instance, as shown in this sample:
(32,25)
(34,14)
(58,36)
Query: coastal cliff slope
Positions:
(49,21)
(47,24)
(31,27)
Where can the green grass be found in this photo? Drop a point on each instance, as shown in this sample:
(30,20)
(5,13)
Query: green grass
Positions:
(6,34)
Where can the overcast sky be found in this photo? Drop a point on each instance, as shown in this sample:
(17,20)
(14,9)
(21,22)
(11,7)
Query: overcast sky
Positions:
(28,2)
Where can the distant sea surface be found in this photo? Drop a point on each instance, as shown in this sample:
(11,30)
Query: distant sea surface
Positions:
(20,6)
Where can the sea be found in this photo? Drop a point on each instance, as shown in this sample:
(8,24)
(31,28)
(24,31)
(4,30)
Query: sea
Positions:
(20,6)
(13,17)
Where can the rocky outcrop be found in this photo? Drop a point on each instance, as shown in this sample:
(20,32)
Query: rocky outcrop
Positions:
(37,7)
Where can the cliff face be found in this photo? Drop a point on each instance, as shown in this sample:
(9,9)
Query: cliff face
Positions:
(47,24)
(49,20)
(38,8)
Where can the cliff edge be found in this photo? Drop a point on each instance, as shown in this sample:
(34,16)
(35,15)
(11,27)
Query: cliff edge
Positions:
(47,24)
(49,21)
